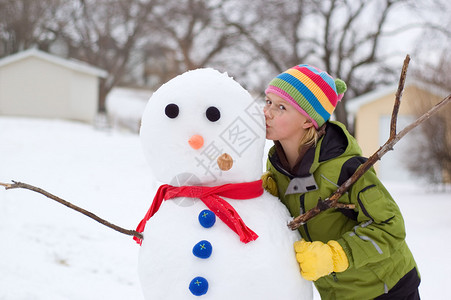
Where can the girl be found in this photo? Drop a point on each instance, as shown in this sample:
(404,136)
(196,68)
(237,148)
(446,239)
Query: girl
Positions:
(349,254)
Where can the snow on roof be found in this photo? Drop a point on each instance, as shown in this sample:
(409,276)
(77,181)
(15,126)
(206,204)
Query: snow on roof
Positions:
(68,63)
(353,105)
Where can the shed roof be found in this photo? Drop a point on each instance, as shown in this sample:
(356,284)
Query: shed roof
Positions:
(67,63)
(353,105)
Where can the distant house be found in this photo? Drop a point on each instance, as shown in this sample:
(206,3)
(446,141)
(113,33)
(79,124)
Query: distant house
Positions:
(372,114)
(37,84)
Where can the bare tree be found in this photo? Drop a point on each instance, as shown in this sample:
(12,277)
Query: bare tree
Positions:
(269,35)
(159,64)
(147,42)
(271,28)
(104,33)
(25,24)
(343,37)
(351,46)
(430,155)
(190,33)
(120,36)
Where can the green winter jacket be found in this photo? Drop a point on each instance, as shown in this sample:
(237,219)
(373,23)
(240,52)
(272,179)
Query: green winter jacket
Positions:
(372,235)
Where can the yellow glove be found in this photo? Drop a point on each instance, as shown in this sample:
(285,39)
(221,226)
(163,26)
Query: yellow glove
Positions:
(317,259)
(269,184)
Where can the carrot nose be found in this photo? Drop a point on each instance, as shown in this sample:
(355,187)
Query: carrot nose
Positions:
(196,141)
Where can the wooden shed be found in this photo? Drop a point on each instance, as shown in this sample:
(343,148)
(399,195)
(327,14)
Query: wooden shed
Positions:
(37,84)
(372,114)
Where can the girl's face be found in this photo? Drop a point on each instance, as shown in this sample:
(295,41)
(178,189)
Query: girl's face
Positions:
(283,121)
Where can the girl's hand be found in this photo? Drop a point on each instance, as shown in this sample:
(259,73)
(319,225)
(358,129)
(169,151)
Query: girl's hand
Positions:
(269,184)
(317,259)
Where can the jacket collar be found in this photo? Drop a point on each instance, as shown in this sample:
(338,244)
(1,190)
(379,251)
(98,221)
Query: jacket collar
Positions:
(303,163)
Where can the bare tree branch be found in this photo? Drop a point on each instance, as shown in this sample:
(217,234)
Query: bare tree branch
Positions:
(398,95)
(22,185)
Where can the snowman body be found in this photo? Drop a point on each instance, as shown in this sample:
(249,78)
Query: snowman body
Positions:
(188,123)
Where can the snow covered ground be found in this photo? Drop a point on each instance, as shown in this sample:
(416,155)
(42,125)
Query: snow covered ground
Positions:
(48,251)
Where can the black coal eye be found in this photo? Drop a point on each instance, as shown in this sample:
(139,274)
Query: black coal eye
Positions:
(213,114)
(172,110)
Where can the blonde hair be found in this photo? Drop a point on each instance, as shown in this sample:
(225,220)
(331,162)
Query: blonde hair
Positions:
(310,137)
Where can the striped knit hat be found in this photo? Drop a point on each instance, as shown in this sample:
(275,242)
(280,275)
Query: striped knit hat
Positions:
(313,92)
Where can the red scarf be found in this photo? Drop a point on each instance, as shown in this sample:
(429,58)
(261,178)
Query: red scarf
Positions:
(211,197)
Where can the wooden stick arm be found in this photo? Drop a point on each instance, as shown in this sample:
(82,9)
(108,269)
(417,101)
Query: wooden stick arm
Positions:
(22,185)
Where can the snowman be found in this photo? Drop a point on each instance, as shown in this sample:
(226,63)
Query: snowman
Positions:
(212,231)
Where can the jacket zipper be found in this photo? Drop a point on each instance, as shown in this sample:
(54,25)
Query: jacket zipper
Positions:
(302,199)
(334,276)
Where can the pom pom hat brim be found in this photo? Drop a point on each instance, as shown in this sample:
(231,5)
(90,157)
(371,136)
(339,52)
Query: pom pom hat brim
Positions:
(311,91)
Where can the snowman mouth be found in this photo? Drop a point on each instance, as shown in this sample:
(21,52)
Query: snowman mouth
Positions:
(225,162)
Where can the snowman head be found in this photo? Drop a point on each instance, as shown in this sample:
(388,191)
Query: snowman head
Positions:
(197,119)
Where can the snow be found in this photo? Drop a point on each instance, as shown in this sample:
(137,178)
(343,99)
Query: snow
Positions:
(48,251)
(125,107)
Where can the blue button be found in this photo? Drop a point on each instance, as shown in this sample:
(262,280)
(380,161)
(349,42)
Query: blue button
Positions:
(207,218)
(198,286)
(203,249)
